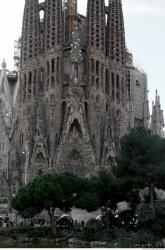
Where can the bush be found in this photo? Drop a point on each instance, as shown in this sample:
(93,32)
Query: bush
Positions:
(14,236)
(35,233)
(93,232)
(132,239)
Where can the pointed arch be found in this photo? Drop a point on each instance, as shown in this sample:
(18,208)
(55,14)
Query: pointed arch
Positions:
(77,126)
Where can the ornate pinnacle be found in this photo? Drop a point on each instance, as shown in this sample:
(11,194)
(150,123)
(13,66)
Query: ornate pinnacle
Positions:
(75,54)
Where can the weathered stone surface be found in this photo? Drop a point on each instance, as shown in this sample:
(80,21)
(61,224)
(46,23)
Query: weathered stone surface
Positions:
(72,108)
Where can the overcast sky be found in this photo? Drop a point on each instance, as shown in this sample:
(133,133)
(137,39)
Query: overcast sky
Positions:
(145,36)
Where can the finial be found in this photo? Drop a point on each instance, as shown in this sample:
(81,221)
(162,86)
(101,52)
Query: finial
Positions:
(156,97)
(3,64)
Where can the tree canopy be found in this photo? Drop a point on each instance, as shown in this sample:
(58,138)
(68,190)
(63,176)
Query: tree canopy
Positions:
(47,191)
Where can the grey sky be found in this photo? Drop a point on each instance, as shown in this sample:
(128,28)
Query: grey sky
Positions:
(145,36)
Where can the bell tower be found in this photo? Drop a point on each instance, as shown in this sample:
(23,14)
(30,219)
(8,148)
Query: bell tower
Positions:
(53,24)
(116,87)
(30,31)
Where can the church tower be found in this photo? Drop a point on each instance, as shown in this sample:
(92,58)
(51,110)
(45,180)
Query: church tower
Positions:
(30,31)
(96,25)
(96,61)
(157,118)
(30,80)
(116,49)
(116,73)
(53,24)
(52,66)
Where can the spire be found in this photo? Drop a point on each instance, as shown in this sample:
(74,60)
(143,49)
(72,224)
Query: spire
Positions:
(72,16)
(156,97)
(30,30)
(53,23)
(96,24)
(146,112)
(116,49)
(157,121)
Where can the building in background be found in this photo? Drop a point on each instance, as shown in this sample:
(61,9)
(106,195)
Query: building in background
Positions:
(138,104)
(157,118)
(8,83)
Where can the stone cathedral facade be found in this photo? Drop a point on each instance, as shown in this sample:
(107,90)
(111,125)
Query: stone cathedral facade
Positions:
(72,104)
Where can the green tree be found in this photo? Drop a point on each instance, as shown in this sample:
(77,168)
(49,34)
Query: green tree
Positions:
(102,191)
(141,163)
(148,221)
(87,197)
(71,186)
(47,191)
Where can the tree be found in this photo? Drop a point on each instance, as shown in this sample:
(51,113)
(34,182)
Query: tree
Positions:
(71,186)
(49,194)
(47,191)
(141,163)
(102,191)
(87,197)
(148,221)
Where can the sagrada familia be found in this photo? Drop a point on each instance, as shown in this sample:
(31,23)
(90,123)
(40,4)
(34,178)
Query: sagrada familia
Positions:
(71,107)
(73,95)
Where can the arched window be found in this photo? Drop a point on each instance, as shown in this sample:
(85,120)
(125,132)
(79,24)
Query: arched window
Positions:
(53,82)
(92,65)
(48,69)
(97,68)
(113,81)
(97,84)
(76,125)
(53,63)
(42,78)
(34,82)
(113,85)
(30,83)
(117,82)
(58,63)
(24,87)
(107,81)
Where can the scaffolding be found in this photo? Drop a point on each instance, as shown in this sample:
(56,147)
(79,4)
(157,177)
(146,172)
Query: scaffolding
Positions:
(17,54)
